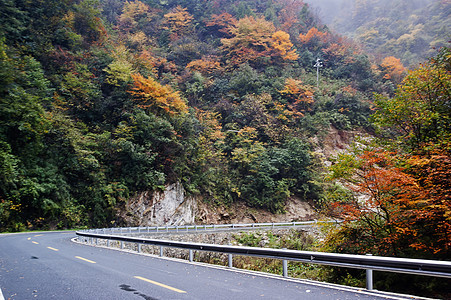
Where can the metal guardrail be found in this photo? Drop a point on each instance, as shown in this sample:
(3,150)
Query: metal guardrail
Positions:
(369,263)
(213,227)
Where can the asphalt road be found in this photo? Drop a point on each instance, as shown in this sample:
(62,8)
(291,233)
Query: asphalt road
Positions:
(50,266)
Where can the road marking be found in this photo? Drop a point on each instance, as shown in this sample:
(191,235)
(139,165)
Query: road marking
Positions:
(1,295)
(29,238)
(35,242)
(160,284)
(54,249)
(89,261)
(38,235)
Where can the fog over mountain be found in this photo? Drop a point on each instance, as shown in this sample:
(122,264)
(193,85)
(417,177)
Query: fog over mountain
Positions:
(408,29)
(337,14)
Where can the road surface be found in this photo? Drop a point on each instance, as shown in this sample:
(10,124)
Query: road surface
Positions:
(50,266)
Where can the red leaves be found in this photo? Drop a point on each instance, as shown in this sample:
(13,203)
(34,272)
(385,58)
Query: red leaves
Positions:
(401,207)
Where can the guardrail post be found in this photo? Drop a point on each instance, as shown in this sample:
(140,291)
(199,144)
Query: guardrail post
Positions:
(161,251)
(285,266)
(369,278)
(191,255)
(167,228)
(230,261)
(122,245)
(108,243)
(139,248)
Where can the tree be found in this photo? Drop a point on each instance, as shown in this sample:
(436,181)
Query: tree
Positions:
(420,112)
(402,203)
(134,15)
(282,46)
(160,99)
(178,22)
(393,69)
(300,96)
(254,38)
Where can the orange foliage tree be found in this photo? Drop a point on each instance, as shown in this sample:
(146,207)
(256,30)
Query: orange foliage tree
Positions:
(253,38)
(393,69)
(151,95)
(178,22)
(223,23)
(205,66)
(314,38)
(400,211)
(299,96)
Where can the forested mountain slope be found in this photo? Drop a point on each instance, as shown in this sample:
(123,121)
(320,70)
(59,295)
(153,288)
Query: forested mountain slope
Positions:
(101,100)
(411,30)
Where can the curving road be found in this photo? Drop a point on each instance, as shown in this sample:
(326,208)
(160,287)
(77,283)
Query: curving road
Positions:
(50,266)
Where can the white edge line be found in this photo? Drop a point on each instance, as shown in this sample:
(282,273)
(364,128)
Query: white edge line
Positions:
(1,295)
(376,293)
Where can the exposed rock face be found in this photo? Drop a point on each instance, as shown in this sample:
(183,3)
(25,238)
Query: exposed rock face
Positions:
(170,207)
(237,213)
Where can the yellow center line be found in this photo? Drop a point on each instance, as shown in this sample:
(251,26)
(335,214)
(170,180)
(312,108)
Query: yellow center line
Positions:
(89,261)
(29,238)
(38,235)
(54,249)
(35,242)
(160,284)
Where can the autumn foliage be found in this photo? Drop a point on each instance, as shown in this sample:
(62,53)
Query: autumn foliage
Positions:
(254,38)
(178,22)
(393,68)
(401,193)
(151,95)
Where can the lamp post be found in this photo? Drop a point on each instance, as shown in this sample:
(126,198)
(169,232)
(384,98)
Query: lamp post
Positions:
(319,64)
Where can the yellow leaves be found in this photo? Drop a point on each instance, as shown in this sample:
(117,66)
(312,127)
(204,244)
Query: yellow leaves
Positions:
(206,65)
(178,22)
(297,92)
(312,34)
(159,98)
(283,46)
(252,38)
(249,148)
(393,67)
(210,122)
(131,13)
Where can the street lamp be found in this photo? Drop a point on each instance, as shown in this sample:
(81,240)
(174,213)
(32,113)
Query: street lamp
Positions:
(319,64)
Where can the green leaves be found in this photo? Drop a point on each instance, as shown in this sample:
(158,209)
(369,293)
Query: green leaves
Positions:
(420,112)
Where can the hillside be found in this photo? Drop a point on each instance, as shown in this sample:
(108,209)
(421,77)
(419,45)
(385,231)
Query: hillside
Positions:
(409,30)
(104,101)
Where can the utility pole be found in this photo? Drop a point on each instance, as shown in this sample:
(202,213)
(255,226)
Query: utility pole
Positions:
(319,64)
